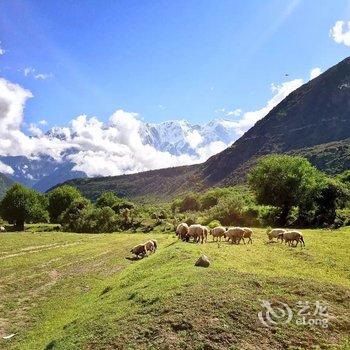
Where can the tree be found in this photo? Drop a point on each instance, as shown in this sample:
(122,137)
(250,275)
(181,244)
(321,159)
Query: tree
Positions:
(60,199)
(109,199)
(74,217)
(283,181)
(21,205)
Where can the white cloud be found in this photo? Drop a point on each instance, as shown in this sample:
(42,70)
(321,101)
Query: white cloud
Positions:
(43,122)
(35,131)
(340,32)
(113,147)
(194,138)
(315,72)
(29,71)
(281,91)
(42,76)
(5,169)
(236,113)
(2,51)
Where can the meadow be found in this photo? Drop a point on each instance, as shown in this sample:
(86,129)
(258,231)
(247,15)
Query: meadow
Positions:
(79,291)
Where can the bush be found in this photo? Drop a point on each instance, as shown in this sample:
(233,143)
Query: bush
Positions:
(189,203)
(214,224)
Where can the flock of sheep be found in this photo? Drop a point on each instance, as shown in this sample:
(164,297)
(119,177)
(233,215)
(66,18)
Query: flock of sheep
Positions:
(199,233)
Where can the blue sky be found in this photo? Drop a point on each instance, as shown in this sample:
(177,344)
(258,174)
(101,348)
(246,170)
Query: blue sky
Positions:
(162,59)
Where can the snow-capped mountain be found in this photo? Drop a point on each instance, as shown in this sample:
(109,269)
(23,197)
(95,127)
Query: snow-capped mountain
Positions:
(177,137)
(180,137)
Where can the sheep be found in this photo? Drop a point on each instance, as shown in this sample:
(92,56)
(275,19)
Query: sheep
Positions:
(292,236)
(235,234)
(149,245)
(248,232)
(197,232)
(218,232)
(155,244)
(182,231)
(139,250)
(2,229)
(275,233)
(206,232)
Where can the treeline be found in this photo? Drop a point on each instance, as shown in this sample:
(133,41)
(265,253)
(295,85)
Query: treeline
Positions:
(280,191)
(65,205)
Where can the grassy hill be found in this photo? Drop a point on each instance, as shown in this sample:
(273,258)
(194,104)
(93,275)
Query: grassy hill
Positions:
(313,121)
(70,291)
(5,183)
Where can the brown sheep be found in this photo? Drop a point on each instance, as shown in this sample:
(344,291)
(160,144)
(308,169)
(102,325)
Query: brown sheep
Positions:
(139,250)
(235,234)
(218,232)
(248,233)
(149,245)
(292,238)
(182,231)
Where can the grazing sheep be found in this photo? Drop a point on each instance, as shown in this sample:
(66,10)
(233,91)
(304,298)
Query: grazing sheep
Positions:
(197,232)
(275,233)
(182,231)
(292,238)
(206,232)
(149,245)
(139,250)
(155,244)
(218,232)
(235,234)
(248,233)
(2,229)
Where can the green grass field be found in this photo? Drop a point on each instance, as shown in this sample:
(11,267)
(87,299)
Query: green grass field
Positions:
(78,291)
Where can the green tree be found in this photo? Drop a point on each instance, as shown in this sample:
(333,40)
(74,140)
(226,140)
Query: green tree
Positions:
(109,199)
(283,181)
(60,199)
(21,205)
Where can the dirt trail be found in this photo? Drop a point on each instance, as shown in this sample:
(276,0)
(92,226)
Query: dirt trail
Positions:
(49,247)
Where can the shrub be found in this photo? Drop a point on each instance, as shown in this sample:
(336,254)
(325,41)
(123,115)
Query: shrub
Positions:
(189,203)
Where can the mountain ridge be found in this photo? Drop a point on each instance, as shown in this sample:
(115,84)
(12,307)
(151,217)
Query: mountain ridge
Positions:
(314,116)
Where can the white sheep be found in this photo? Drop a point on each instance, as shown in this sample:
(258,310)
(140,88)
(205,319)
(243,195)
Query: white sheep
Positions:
(248,233)
(197,232)
(235,234)
(182,231)
(275,233)
(2,229)
(292,238)
(218,232)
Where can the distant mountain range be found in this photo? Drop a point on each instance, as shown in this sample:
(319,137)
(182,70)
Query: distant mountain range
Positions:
(313,121)
(176,137)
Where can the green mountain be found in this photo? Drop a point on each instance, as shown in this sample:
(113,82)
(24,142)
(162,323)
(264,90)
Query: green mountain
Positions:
(5,183)
(313,121)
